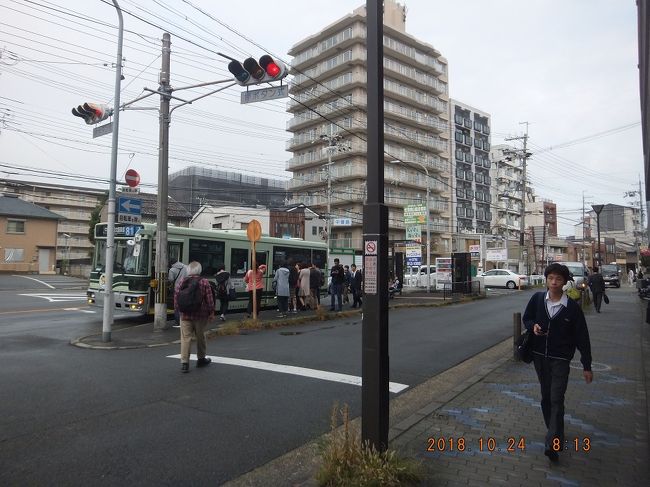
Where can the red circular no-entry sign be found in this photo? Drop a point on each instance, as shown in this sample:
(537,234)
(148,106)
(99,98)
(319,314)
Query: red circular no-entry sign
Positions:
(132,178)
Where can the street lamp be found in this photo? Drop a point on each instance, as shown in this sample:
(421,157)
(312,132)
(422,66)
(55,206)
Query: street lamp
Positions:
(426,171)
(598,209)
(67,252)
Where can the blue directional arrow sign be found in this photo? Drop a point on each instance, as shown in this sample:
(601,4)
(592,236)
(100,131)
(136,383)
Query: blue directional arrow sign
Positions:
(129,210)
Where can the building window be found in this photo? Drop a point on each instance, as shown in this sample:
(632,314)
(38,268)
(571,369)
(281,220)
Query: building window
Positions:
(15,226)
(314,231)
(14,255)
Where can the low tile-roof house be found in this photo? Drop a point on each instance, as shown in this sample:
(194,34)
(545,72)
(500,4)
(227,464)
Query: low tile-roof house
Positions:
(27,236)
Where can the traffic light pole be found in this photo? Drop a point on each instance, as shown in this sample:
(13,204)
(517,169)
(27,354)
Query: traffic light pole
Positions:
(107,316)
(162,257)
(374,334)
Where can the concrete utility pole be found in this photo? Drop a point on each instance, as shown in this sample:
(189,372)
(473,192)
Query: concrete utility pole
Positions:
(522,219)
(374,333)
(107,315)
(332,146)
(161,264)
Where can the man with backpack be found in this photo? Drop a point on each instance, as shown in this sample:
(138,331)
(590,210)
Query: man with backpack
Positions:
(195,302)
(177,272)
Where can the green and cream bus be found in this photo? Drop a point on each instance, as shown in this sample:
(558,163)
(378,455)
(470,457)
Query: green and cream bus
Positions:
(133,267)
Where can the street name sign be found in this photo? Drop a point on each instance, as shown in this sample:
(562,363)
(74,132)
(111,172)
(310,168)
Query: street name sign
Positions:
(343,222)
(105,129)
(272,93)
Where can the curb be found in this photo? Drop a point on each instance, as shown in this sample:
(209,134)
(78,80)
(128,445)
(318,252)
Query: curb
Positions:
(266,325)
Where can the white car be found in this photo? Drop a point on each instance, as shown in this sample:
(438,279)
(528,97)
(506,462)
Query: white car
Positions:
(504,278)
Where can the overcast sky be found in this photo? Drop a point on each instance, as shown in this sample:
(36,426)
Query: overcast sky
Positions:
(568,67)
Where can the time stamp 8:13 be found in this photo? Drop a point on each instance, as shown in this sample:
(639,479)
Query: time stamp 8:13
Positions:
(489,444)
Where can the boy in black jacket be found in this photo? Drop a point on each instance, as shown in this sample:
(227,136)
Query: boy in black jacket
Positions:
(559,326)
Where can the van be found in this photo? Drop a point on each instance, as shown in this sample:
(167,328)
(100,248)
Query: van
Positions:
(579,271)
(611,274)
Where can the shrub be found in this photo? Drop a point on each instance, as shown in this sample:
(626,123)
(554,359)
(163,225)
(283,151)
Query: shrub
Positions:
(346,461)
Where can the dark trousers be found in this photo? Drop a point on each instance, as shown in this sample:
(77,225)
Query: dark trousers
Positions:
(356,298)
(336,289)
(553,375)
(258,295)
(283,303)
(224,305)
(598,299)
(315,292)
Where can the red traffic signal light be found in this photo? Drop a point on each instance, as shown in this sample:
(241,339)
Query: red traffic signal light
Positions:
(253,73)
(92,113)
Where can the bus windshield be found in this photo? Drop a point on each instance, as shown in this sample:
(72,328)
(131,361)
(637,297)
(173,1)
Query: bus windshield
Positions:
(130,257)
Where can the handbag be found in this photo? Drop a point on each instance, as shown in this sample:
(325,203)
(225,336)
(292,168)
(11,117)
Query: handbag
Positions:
(232,294)
(525,347)
(605,298)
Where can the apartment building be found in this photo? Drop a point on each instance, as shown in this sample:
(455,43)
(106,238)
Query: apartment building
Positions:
(329,100)
(74,204)
(195,186)
(471,193)
(507,172)
(542,213)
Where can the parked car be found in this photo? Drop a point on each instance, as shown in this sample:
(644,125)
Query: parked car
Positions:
(611,274)
(504,278)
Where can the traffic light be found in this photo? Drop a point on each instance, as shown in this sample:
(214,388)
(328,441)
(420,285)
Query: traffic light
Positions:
(250,72)
(92,113)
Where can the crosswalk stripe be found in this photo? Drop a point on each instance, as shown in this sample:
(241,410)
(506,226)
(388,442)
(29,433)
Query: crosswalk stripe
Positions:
(393,387)
(57,298)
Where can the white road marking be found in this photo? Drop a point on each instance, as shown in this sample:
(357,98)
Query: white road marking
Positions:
(37,280)
(57,298)
(354,380)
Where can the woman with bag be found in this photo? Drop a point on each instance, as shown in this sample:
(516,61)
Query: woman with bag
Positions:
(224,290)
(259,287)
(559,327)
(304,293)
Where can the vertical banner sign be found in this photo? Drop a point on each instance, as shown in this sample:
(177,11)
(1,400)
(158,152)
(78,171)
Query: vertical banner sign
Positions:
(475,252)
(370,267)
(414,233)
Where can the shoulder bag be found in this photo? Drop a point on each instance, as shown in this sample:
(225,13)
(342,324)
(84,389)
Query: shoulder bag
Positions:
(525,347)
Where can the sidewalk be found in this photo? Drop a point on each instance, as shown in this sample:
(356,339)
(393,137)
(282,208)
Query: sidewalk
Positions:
(609,417)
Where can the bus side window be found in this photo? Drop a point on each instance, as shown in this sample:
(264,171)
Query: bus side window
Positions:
(238,262)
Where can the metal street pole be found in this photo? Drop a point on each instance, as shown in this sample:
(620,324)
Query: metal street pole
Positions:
(107,316)
(374,334)
(598,209)
(160,307)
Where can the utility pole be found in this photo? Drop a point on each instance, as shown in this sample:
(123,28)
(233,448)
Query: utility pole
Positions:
(522,219)
(107,315)
(160,308)
(332,146)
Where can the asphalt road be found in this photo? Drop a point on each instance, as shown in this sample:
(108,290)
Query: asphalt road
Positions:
(73,416)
